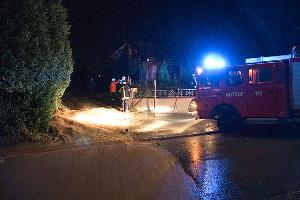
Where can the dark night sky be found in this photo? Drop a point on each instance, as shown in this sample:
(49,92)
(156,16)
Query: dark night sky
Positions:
(183,30)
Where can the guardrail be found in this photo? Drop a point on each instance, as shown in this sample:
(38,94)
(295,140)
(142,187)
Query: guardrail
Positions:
(175,92)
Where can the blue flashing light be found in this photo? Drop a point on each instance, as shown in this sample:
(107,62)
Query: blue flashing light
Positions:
(214,62)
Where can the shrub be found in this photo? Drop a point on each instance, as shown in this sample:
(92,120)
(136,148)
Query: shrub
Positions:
(35,63)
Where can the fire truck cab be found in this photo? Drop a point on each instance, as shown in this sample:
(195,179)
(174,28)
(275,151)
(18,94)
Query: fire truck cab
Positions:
(265,87)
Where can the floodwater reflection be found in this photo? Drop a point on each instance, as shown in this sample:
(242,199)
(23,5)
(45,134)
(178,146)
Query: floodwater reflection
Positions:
(210,173)
(213,179)
(195,151)
(241,167)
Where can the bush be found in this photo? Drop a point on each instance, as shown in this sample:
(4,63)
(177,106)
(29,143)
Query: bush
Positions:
(144,90)
(35,63)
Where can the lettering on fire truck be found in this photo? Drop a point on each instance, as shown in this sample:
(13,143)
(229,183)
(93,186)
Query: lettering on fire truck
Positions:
(258,93)
(234,94)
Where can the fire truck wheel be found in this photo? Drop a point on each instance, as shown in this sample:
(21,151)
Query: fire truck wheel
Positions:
(228,120)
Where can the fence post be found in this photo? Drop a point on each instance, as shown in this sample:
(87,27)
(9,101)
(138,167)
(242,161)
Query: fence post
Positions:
(175,105)
(154,94)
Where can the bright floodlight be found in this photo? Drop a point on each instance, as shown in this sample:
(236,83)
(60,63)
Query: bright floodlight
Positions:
(214,62)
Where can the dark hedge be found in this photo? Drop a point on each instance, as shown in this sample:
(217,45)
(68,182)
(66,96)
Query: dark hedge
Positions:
(35,63)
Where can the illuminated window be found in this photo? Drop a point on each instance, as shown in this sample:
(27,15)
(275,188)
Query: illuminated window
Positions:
(234,77)
(252,76)
(210,79)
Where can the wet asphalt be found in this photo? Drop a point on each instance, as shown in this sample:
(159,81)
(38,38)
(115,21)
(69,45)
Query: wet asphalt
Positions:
(259,162)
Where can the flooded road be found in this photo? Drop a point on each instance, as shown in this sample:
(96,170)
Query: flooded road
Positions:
(258,163)
(109,170)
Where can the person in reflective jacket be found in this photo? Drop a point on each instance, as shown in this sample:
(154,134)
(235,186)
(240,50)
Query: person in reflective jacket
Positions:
(124,90)
(113,86)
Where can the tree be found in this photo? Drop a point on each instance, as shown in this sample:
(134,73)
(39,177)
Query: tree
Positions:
(163,75)
(35,63)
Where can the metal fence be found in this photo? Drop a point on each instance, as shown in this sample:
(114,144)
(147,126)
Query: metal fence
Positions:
(175,92)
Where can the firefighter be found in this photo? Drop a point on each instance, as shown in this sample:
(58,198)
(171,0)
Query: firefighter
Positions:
(124,90)
(115,100)
(113,86)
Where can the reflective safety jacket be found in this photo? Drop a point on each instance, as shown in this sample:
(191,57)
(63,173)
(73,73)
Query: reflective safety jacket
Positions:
(113,86)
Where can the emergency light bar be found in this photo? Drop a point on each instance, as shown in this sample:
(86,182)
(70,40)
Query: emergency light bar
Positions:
(267,59)
(214,61)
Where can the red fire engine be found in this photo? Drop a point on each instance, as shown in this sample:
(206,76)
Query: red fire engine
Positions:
(265,87)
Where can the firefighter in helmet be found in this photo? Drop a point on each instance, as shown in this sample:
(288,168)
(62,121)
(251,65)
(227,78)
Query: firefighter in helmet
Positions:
(113,86)
(124,90)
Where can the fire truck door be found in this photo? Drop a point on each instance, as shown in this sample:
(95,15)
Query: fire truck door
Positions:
(234,89)
(282,91)
(261,94)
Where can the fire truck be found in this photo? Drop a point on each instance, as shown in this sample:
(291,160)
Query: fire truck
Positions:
(262,88)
